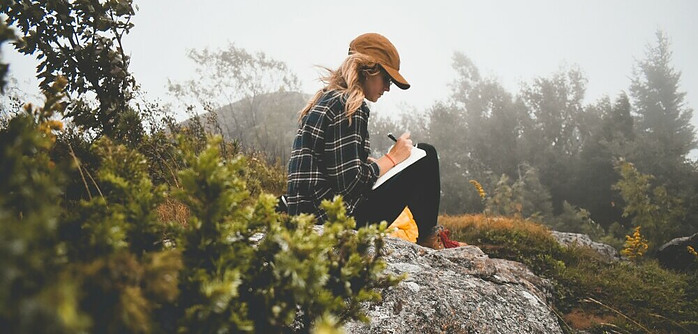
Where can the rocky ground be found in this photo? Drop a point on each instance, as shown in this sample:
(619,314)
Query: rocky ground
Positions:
(459,290)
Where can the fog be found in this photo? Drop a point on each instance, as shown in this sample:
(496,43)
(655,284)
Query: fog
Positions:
(510,41)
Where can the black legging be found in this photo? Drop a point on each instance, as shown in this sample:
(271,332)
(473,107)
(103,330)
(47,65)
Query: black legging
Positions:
(418,186)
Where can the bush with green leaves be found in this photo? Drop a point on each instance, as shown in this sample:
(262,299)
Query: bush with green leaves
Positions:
(249,268)
(86,265)
(106,262)
(653,208)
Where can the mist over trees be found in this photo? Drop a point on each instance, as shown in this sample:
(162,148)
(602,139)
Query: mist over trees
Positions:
(247,98)
(542,153)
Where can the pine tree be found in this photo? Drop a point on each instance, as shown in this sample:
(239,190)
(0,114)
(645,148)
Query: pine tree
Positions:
(664,129)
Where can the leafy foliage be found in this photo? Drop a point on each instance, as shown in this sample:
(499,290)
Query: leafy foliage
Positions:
(5,35)
(87,242)
(655,210)
(525,198)
(81,41)
(248,268)
(108,264)
(30,197)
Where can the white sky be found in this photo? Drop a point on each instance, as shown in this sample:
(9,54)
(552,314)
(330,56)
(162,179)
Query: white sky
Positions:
(511,41)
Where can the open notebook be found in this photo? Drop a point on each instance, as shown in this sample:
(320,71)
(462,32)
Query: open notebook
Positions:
(415,154)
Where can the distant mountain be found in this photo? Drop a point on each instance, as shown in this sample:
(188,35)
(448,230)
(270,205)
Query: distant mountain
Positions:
(266,122)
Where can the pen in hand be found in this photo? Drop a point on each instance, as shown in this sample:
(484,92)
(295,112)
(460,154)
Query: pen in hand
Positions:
(390,135)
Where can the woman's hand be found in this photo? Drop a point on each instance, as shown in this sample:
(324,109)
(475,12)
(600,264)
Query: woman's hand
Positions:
(398,153)
(402,148)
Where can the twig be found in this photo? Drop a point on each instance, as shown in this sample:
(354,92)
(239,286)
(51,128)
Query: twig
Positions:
(560,317)
(589,299)
(77,162)
(672,321)
(619,330)
(95,183)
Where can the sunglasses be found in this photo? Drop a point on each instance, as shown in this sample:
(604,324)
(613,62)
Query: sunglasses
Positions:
(387,79)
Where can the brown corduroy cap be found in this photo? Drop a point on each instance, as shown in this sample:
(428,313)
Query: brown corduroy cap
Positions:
(379,48)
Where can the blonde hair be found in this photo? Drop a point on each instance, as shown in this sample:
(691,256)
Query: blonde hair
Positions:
(348,80)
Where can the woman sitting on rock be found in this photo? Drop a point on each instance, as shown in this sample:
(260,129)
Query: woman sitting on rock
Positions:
(331,151)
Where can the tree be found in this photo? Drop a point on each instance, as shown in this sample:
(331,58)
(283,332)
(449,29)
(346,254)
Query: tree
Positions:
(496,124)
(81,41)
(468,76)
(554,132)
(554,105)
(249,98)
(478,135)
(653,208)
(664,128)
(446,129)
(525,198)
(610,137)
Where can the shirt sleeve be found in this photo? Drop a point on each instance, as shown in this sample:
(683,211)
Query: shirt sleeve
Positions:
(346,154)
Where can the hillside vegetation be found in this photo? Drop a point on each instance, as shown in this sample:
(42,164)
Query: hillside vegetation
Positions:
(115,218)
(590,292)
(90,241)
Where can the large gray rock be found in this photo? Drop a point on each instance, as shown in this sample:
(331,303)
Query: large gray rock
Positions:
(570,239)
(458,290)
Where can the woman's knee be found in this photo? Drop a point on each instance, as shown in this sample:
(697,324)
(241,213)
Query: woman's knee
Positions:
(431,150)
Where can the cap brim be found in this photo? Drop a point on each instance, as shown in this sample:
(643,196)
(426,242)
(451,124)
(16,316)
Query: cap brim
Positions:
(398,79)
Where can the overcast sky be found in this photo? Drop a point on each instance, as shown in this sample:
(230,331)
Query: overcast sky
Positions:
(511,41)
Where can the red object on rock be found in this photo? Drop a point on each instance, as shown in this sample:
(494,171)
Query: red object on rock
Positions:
(448,243)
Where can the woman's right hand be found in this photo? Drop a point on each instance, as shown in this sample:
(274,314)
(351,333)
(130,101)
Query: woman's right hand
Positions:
(402,148)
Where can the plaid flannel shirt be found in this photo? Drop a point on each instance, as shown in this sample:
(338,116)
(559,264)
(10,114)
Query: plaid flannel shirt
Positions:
(329,157)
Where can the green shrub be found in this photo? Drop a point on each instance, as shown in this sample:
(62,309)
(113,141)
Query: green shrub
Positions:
(103,260)
(249,268)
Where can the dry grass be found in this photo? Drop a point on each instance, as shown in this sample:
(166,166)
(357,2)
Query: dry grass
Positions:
(470,225)
(582,319)
(173,211)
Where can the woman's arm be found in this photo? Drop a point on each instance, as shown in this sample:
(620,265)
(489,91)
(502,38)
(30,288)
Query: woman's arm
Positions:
(398,153)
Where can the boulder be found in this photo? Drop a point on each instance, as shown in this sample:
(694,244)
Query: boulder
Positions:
(675,254)
(568,239)
(458,290)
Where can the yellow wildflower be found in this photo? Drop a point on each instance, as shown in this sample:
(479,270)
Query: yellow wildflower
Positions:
(635,245)
(692,251)
(479,188)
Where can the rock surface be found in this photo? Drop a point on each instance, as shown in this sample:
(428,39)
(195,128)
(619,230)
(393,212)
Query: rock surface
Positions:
(570,239)
(459,290)
(675,254)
